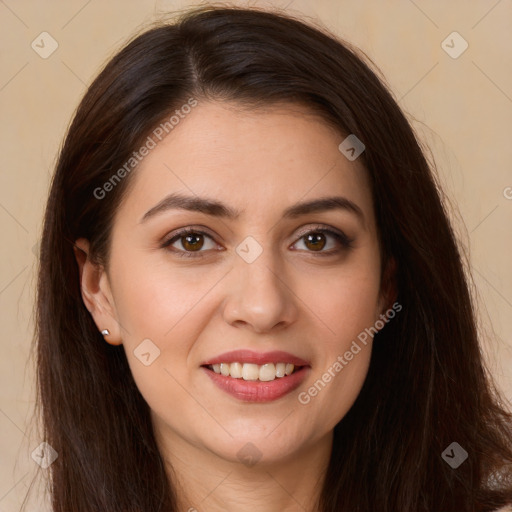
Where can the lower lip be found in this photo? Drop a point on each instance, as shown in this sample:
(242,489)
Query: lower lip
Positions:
(258,391)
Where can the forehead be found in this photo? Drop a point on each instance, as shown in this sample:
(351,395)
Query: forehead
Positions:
(249,159)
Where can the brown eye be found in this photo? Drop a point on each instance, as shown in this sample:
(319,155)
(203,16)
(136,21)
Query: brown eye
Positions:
(192,242)
(189,242)
(315,241)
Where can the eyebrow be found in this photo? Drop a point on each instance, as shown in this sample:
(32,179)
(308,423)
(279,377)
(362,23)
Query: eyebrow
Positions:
(217,209)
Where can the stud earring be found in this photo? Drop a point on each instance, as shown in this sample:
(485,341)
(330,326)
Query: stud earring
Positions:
(105,332)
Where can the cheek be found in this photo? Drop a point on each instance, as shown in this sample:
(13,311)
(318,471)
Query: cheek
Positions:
(334,388)
(344,300)
(163,309)
(158,300)
(346,314)
(346,306)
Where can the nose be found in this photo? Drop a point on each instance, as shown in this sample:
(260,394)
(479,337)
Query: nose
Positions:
(260,295)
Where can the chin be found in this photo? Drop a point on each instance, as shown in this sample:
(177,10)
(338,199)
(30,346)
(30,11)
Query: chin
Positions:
(260,448)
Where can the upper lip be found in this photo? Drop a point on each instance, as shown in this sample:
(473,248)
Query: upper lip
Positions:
(259,358)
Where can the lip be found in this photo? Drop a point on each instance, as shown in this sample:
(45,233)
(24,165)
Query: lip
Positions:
(259,358)
(257,391)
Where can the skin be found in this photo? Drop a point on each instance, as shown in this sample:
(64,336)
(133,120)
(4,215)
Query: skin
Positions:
(290,298)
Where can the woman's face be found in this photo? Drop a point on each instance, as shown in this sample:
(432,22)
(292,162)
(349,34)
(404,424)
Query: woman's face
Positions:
(251,281)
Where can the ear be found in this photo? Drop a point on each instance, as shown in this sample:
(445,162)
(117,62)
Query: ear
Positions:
(96,293)
(388,287)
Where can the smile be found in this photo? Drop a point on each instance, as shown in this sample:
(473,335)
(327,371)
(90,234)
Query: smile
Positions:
(252,372)
(257,390)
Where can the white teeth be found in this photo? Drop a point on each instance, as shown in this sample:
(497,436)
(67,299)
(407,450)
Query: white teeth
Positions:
(280,369)
(248,371)
(235,370)
(267,372)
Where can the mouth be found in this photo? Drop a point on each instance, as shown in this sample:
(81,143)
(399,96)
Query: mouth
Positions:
(254,372)
(252,376)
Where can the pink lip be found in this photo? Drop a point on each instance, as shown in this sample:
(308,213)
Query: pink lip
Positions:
(249,356)
(257,391)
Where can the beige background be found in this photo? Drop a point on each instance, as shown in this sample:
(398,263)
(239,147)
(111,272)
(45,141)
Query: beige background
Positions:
(462,108)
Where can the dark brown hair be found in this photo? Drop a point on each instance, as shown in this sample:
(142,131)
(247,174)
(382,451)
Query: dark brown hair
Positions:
(427,385)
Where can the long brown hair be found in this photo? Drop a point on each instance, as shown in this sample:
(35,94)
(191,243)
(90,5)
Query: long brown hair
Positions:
(427,385)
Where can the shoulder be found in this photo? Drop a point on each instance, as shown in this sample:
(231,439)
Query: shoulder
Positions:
(507,508)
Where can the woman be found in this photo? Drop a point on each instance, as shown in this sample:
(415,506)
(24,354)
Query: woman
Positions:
(250,296)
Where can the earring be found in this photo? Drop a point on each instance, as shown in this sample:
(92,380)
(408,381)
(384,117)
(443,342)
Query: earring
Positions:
(105,332)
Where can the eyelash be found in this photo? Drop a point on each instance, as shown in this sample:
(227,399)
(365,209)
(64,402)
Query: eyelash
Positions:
(344,240)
